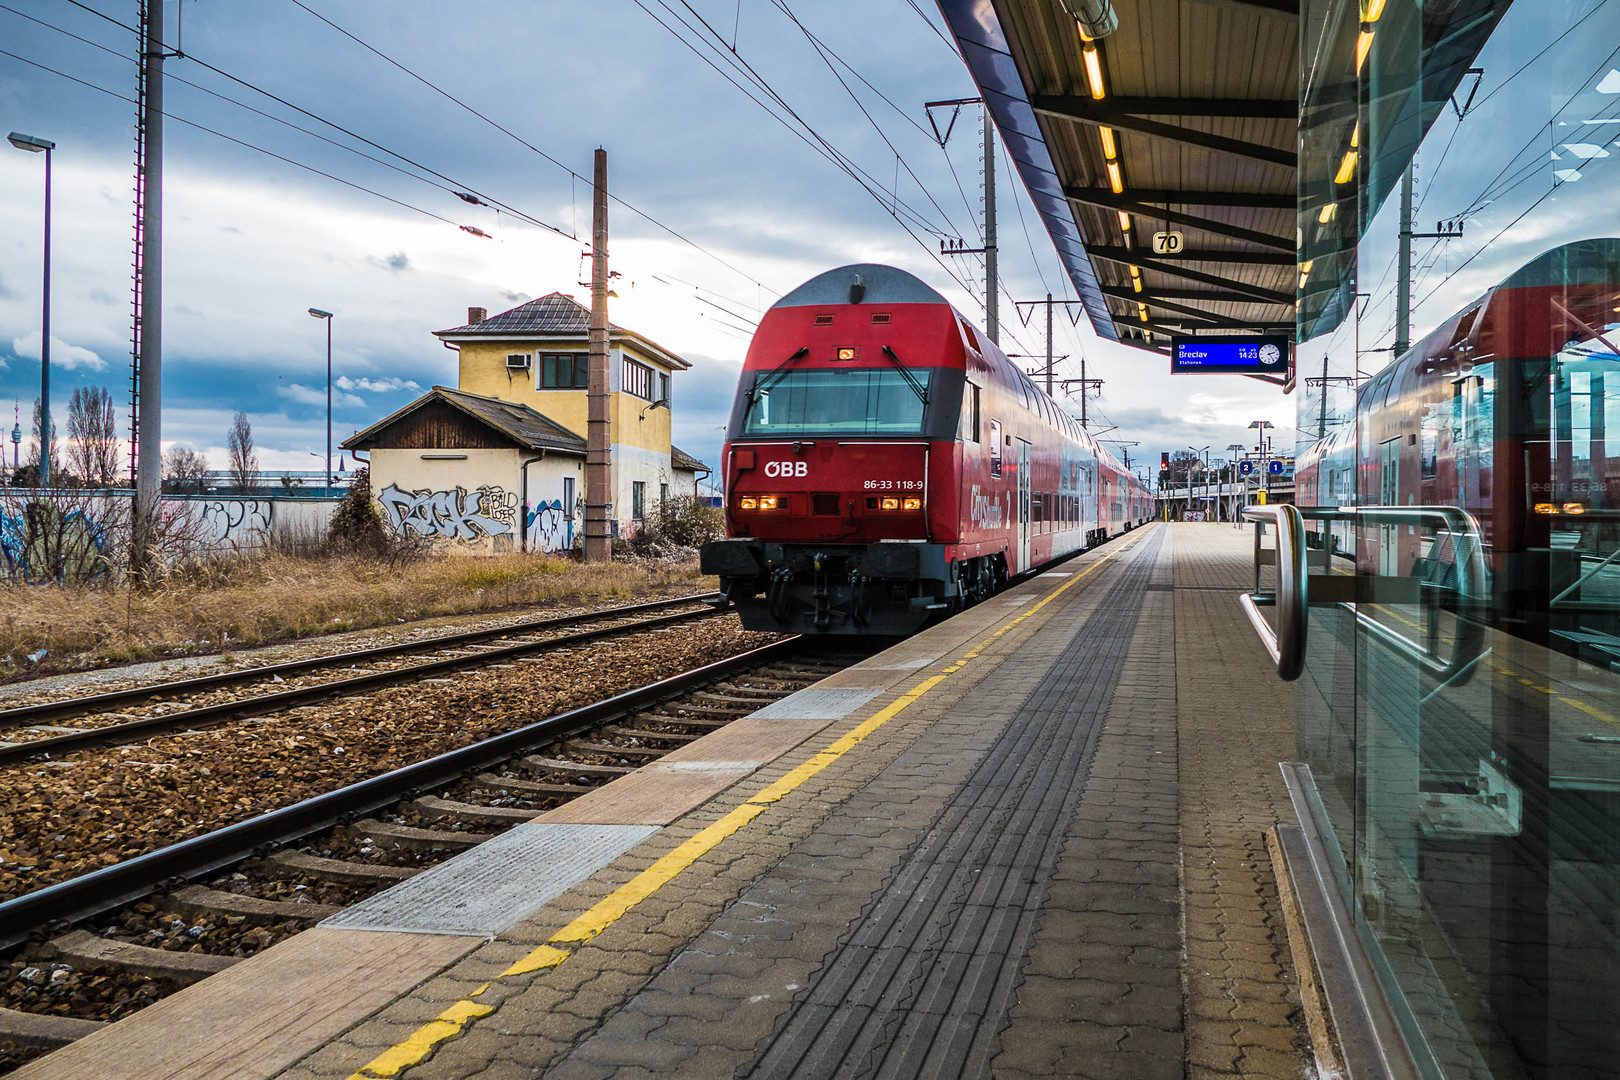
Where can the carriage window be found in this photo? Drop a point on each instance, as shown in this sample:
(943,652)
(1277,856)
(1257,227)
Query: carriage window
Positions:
(995,448)
(970,414)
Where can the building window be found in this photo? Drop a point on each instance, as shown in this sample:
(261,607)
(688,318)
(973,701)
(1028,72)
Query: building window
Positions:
(663,388)
(663,495)
(638,499)
(638,380)
(565,371)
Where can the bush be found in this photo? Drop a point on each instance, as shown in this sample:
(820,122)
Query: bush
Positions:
(356,525)
(676,529)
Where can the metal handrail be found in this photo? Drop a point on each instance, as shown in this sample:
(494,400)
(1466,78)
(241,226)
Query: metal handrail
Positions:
(1472,587)
(1285,643)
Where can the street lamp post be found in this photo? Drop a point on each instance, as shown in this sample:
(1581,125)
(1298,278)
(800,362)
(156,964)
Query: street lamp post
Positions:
(1236,450)
(327,315)
(34,145)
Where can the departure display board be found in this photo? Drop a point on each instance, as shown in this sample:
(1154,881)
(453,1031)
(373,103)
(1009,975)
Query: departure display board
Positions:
(1229,355)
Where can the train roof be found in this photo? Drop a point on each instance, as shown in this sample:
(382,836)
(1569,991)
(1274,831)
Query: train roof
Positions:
(878,284)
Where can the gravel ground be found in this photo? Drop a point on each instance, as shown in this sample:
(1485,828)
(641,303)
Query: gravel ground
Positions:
(103,680)
(97,807)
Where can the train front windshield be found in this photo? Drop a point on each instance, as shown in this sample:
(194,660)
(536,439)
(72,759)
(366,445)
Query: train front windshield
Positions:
(839,401)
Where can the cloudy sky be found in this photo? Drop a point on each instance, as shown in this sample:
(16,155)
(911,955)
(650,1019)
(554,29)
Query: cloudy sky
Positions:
(735,206)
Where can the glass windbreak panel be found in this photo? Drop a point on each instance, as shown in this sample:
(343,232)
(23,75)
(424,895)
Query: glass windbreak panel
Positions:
(1473,778)
(845,401)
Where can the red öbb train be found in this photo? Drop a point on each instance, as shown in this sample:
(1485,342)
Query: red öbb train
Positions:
(886,463)
(1500,412)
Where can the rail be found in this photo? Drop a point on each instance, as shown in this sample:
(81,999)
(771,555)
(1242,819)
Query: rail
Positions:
(1285,642)
(50,909)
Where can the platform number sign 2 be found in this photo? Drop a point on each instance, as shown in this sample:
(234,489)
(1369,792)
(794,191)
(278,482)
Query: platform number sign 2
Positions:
(1167,243)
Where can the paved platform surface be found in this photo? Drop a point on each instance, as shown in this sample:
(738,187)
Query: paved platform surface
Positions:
(1034,847)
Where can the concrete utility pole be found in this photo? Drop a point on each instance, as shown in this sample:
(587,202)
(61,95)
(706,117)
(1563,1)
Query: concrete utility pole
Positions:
(598,430)
(992,327)
(1049,345)
(1403,286)
(1084,422)
(147,421)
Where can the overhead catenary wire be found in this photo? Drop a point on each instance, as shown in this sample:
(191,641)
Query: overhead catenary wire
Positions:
(824,52)
(804,130)
(831,152)
(239,142)
(526,143)
(450,185)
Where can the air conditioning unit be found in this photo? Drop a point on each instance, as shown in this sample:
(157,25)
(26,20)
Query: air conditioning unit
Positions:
(517,361)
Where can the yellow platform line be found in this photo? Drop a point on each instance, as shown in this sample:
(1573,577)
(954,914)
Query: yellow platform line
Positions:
(457,1018)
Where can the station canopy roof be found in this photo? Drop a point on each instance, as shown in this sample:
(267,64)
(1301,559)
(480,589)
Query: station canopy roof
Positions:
(1193,129)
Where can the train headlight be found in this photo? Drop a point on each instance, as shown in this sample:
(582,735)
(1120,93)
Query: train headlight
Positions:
(890,502)
(912,504)
(748,502)
(769,502)
(1546,508)
(1574,508)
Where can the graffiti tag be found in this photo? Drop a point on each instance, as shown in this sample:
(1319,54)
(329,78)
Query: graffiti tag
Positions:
(986,510)
(449,515)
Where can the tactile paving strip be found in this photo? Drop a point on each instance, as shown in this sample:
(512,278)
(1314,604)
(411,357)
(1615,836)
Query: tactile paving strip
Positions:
(497,884)
(814,704)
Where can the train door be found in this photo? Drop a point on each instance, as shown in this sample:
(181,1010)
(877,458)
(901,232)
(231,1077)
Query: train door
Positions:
(1389,471)
(1023,505)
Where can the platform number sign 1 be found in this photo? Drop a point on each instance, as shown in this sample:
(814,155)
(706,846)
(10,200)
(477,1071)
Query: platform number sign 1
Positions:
(1168,243)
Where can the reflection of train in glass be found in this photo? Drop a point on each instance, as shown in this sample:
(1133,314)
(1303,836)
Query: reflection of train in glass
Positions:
(1503,412)
(885,463)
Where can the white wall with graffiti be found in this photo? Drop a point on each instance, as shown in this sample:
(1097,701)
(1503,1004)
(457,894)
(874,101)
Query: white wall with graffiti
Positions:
(479,501)
(69,534)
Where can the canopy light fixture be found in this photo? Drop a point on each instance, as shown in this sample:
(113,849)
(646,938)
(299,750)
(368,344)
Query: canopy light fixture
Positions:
(1110,150)
(1115,179)
(1124,221)
(1363,47)
(1094,76)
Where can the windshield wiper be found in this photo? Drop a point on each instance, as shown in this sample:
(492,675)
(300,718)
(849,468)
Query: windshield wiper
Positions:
(911,380)
(762,385)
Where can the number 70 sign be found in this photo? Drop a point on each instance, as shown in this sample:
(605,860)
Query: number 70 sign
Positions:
(1167,243)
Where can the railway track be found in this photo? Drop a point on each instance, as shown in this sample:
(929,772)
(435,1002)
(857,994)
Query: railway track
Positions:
(109,942)
(75,723)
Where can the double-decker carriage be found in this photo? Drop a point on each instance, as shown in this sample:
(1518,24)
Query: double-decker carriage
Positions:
(885,463)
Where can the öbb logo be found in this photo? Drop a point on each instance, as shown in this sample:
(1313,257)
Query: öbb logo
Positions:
(787,468)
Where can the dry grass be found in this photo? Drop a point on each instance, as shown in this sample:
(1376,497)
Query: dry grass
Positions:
(255,601)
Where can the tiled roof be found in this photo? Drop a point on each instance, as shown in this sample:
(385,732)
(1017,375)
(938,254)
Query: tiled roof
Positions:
(523,425)
(554,314)
(680,459)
